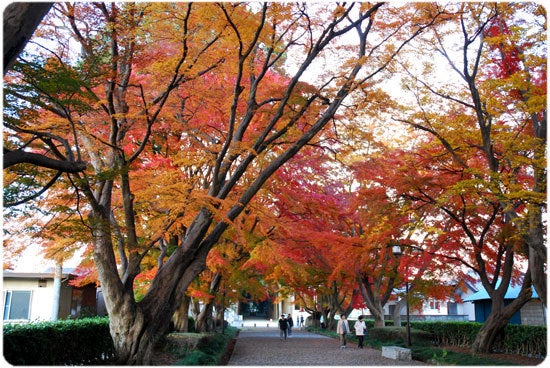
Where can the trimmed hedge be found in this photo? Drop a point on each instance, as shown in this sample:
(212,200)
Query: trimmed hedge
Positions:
(391,333)
(523,340)
(450,333)
(516,339)
(68,342)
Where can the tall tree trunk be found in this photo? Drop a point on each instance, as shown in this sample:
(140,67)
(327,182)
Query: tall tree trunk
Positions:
(204,322)
(536,229)
(536,246)
(133,338)
(538,273)
(220,318)
(375,302)
(180,319)
(137,327)
(195,308)
(397,311)
(499,317)
(330,320)
(20,22)
(57,276)
(491,329)
(377,312)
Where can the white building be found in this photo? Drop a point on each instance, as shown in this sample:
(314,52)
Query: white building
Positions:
(36,297)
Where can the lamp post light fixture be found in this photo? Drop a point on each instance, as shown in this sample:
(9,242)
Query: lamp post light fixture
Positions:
(396,249)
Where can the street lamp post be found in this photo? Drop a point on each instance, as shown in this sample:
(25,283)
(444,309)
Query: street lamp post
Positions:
(396,249)
(223,312)
(407,305)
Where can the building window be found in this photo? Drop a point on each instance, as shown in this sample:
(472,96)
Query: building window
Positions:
(452,308)
(434,304)
(76,303)
(17,305)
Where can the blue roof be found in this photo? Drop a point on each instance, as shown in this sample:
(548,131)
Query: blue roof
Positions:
(511,293)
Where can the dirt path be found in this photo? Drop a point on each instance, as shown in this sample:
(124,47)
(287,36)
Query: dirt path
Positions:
(262,346)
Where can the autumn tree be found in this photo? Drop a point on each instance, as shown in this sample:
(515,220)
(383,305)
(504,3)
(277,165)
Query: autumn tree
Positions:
(381,218)
(136,65)
(487,142)
(308,201)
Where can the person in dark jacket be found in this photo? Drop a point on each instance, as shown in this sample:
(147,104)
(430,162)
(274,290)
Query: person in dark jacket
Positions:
(283,327)
(290,324)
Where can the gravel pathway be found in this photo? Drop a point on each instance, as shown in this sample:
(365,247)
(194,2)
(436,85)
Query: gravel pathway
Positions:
(262,346)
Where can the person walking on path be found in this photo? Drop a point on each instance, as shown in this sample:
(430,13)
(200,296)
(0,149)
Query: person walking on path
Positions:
(360,329)
(342,329)
(283,326)
(290,324)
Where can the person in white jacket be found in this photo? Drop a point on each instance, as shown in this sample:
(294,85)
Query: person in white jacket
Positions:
(342,329)
(360,329)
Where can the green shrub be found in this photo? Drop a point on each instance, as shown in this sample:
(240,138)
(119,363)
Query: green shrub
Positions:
(399,334)
(212,344)
(68,342)
(516,339)
(369,323)
(197,357)
(523,340)
(450,333)
(209,349)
